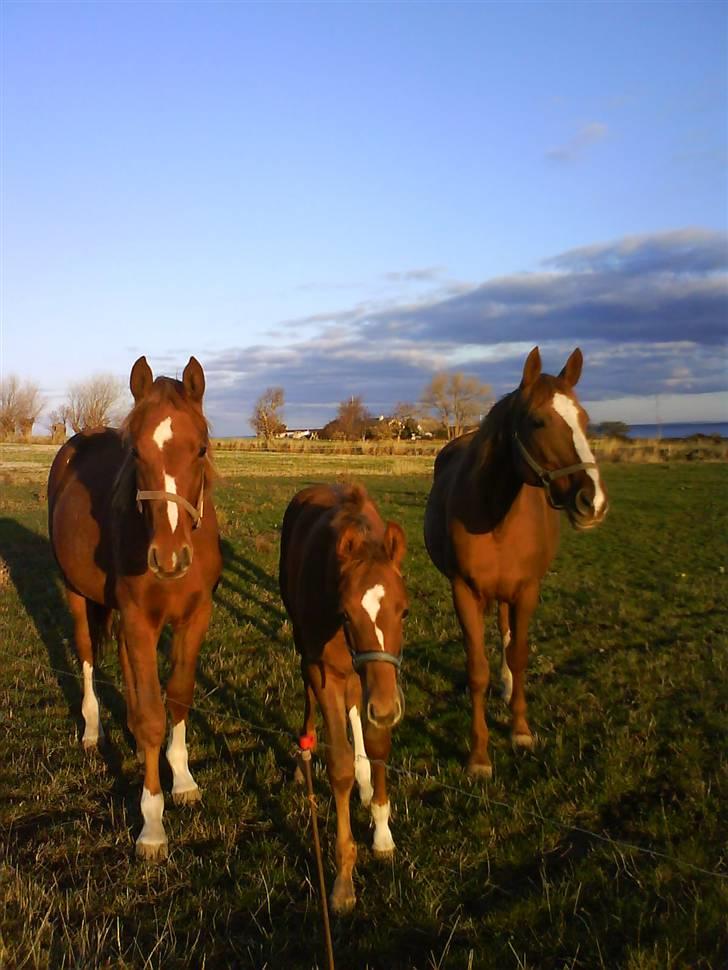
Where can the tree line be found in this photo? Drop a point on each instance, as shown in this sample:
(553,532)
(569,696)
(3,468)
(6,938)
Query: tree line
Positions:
(87,404)
(449,404)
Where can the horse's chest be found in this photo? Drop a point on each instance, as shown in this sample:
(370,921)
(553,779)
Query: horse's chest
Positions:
(500,564)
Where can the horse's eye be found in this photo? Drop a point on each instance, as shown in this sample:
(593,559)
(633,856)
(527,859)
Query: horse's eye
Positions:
(202,452)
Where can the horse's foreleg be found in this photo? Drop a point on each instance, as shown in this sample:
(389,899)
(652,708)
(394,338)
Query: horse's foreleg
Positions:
(149,722)
(186,644)
(470,611)
(504,627)
(340,765)
(378,743)
(130,691)
(517,656)
(80,609)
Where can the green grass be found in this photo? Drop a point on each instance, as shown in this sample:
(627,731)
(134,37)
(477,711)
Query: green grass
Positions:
(627,690)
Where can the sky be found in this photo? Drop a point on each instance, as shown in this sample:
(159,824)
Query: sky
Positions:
(343,198)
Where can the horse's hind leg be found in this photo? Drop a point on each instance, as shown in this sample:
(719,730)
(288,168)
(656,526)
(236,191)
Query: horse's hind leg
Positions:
(517,653)
(309,722)
(504,627)
(186,644)
(89,621)
(470,612)
(130,691)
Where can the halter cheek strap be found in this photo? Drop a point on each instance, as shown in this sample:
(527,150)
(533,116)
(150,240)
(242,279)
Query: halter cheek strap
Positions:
(144,495)
(547,476)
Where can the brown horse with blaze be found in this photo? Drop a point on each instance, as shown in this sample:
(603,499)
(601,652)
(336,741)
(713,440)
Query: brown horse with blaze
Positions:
(133,528)
(492,524)
(341,584)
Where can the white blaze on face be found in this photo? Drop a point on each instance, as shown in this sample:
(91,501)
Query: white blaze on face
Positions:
(372,601)
(177,758)
(163,434)
(383,841)
(564,406)
(170,485)
(362,768)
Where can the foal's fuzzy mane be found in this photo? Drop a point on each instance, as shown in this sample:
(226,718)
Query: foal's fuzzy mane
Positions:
(350,513)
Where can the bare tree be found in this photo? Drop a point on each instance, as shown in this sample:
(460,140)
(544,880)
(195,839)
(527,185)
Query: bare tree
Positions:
(267,417)
(353,418)
(94,402)
(20,405)
(457,400)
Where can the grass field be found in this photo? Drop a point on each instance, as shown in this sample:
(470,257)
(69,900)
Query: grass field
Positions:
(628,693)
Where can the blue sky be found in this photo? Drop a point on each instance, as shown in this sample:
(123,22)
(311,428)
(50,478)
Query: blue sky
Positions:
(341,198)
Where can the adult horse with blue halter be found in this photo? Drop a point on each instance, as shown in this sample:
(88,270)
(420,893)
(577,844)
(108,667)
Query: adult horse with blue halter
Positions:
(492,525)
(341,584)
(133,528)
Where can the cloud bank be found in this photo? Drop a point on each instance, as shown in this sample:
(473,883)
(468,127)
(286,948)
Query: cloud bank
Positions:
(649,311)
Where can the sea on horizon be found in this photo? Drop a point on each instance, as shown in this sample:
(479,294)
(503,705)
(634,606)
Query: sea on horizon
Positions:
(678,429)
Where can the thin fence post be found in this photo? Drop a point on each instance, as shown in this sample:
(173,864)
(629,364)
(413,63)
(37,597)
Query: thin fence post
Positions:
(306,744)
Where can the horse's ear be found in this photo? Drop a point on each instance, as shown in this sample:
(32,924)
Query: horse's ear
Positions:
(572,368)
(532,368)
(395,542)
(348,543)
(193,378)
(140,379)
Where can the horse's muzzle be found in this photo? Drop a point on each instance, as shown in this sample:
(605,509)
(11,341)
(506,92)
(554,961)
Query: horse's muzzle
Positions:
(583,514)
(386,719)
(180,563)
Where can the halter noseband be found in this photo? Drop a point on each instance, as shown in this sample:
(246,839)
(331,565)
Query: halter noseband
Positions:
(359,659)
(546,476)
(195,512)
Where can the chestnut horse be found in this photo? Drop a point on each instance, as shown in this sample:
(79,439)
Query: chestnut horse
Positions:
(133,529)
(341,584)
(492,524)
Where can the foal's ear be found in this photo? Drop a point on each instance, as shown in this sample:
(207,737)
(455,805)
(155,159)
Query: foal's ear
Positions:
(572,368)
(193,378)
(532,368)
(140,379)
(348,543)
(395,542)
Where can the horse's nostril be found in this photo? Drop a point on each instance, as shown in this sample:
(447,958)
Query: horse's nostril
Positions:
(185,557)
(152,559)
(584,502)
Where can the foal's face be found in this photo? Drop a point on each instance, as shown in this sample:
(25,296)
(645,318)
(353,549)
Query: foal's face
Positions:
(374,604)
(168,443)
(552,425)
(170,456)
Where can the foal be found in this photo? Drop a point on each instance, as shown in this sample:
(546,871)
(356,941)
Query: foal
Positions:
(341,584)
(133,528)
(492,524)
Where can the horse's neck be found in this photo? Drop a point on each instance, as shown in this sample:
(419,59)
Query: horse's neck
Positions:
(489,470)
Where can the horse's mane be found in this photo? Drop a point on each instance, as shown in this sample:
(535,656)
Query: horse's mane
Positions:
(494,430)
(350,512)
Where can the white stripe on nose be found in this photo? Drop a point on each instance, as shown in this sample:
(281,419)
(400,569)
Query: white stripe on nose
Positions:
(564,406)
(372,601)
(170,485)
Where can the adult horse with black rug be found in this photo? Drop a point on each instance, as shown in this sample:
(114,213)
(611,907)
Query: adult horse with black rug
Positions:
(133,528)
(341,584)
(492,525)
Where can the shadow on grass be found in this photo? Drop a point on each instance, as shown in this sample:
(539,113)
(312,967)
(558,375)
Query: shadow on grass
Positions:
(34,574)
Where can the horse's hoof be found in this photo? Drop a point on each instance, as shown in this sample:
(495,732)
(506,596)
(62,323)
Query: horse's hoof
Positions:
(506,691)
(140,756)
(524,742)
(90,745)
(343,897)
(366,793)
(383,855)
(151,852)
(298,776)
(189,797)
(477,770)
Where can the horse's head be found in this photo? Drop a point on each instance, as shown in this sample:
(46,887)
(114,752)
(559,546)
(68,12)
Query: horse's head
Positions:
(550,445)
(373,603)
(167,437)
